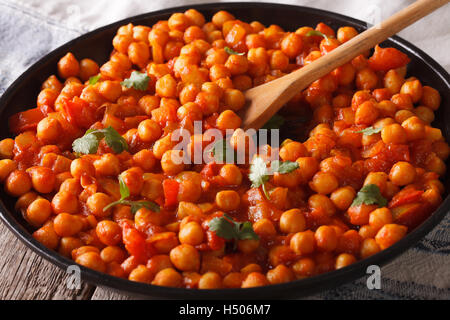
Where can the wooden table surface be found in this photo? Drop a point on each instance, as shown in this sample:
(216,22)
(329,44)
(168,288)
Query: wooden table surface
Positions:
(26,276)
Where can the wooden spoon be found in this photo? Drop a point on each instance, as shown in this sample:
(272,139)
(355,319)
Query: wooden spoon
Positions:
(265,100)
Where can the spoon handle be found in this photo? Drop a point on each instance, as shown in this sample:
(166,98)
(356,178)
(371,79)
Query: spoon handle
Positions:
(267,99)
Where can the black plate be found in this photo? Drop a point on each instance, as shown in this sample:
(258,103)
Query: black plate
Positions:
(22,94)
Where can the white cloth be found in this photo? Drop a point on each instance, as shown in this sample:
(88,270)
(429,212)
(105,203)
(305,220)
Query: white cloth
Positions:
(29,29)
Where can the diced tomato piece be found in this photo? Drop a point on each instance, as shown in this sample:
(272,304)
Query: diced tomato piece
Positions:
(25,120)
(214,241)
(411,214)
(170,188)
(134,241)
(385,59)
(79,113)
(409,195)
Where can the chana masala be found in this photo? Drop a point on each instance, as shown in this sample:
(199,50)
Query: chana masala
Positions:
(92,165)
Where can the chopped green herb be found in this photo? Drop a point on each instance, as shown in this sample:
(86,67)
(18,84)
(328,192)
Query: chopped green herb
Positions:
(276,122)
(260,174)
(94,79)
(225,227)
(316,33)
(284,167)
(370,131)
(137,80)
(88,144)
(231,51)
(135,205)
(369,194)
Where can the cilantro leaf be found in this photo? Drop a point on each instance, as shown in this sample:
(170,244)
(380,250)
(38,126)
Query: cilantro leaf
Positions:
(94,79)
(88,144)
(137,80)
(114,140)
(370,131)
(231,51)
(135,205)
(222,151)
(369,194)
(260,174)
(276,122)
(284,167)
(225,227)
(316,33)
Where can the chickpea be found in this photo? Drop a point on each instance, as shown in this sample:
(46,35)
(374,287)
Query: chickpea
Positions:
(227,200)
(97,202)
(110,90)
(68,244)
(366,79)
(430,98)
(231,175)
(377,178)
(234,99)
(133,179)
(38,212)
(43,179)
(68,66)
(49,130)
(65,201)
(88,68)
(25,200)
(91,260)
(390,234)
(47,236)
(308,166)
(379,217)
(107,165)
(6,148)
(80,167)
(109,232)
(413,89)
(166,86)
(425,114)
(139,53)
(191,233)
(394,133)
(17,183)
(435,164)
(7,166)
(322,202)
(326,238)
(292,45)
(221,17)
(113,254)
(248,246)
(366,113)
(393,81)
(264,227)
(279,61)
(303,243)
(344,259)
(172,162)
(292,221)
(346,33)
(195,17)
(280,274)
(324,183)
(233,280)
(207,102)
(343,197)
(168,278)
(141,274)
(304,267)
(402,173)
(210,280)
(292,151)
(369,247)
(254,279)
(237,64)
(185,257)
(228,120)
(67,225)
